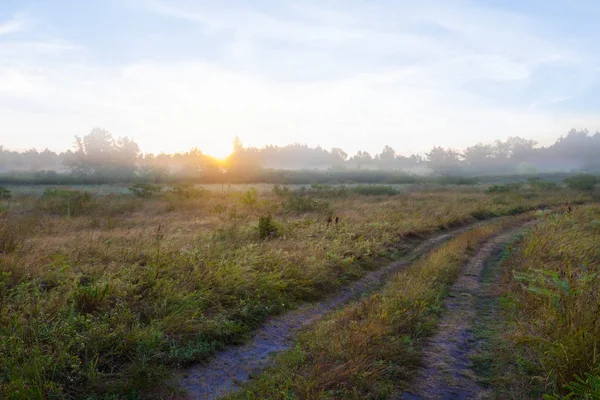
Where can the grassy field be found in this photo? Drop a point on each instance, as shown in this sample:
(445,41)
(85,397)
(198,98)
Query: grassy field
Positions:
(103,296)
(545,340)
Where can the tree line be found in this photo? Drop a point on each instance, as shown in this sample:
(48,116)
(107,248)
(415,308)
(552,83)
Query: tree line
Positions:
(100,157)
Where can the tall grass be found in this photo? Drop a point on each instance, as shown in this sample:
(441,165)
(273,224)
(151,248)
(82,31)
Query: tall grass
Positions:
(96,301)
(551,310)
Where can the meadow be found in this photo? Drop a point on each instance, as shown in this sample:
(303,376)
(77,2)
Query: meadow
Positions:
(105,295)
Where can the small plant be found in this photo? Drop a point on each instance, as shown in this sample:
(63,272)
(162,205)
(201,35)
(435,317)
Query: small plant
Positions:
(145,190)
(89,297)
(5,194)
(249,198)
(266,227)
(580,388)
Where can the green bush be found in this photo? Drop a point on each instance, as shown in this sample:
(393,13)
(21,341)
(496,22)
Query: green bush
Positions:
(67,202)
(145,190)
(299,203)
(456,180)
(266,227)
(249,198)
(542,185)
(497,189)
(583,182)
(5,194)
(374,190)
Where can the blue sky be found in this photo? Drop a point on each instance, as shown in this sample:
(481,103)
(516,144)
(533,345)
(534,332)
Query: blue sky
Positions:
(356,74)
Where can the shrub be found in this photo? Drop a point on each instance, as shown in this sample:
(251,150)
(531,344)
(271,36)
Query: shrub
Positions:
(374,190)
(186,191)
(281,190)
(89,297)
(328,190)
(583,182)
(67,202)
(266,227)
(456,180)
(249,198)
(145,190)
(497,189)
(483,214)
(305,204)
(5,194)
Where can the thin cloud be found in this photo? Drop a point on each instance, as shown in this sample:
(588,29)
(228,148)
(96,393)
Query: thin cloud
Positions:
(14,25)
(356,76)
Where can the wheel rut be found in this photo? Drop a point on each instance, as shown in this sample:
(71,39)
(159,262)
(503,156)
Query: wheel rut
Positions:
(446,371)
(225,372)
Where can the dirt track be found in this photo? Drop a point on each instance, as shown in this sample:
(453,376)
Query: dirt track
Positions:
(224,372)
(446,371)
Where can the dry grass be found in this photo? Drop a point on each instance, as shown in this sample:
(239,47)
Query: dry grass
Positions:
(104,295)
(550,328)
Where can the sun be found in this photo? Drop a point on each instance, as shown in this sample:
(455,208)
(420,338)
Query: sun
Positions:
(217,152)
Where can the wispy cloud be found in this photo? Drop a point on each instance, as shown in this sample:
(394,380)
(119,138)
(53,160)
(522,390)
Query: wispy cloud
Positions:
(357,74)
(18,23)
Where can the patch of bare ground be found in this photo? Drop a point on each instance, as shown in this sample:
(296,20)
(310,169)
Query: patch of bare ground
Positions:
(446,371)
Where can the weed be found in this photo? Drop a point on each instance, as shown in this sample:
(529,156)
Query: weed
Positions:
(266,227)
(5,194)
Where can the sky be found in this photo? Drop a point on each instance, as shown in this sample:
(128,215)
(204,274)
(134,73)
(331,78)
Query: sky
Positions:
(355,74)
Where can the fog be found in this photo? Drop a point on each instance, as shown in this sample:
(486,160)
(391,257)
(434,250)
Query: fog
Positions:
(101,156)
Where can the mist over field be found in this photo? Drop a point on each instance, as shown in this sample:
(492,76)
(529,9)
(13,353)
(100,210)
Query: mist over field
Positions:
(101,156)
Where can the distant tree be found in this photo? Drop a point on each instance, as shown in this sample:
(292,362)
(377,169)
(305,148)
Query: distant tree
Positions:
(444,162)
(99,154)
(361,158)
(387,158)
(237,144)
(338,157)
(479,157)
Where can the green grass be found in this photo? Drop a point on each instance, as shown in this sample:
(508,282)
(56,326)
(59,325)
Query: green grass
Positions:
(104,296)
(546,338)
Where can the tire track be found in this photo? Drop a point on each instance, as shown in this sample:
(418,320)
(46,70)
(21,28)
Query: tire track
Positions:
(228,369)
(447,368)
